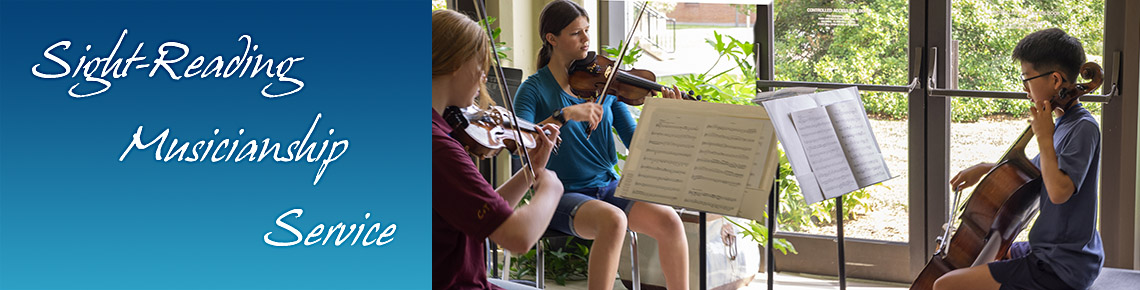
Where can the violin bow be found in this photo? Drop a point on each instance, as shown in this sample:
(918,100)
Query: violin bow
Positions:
(480,11)
(611,72)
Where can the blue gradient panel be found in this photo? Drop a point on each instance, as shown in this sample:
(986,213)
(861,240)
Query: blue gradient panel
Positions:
(72,216)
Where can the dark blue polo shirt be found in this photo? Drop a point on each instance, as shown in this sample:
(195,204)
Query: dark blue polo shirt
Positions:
(1065,235)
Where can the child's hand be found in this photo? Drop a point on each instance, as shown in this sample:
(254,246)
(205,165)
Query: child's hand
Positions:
(670,93)
(969,176)
(587,112)
(546,143)
(1041,118)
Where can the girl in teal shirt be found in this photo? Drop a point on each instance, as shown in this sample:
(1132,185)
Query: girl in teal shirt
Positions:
(585,162)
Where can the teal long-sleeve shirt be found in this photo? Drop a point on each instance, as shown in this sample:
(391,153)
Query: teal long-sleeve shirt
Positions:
(580,162)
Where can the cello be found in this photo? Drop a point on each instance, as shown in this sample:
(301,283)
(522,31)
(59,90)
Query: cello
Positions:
(1001,204)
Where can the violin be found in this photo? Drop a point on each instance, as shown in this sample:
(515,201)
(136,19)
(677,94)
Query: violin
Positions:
(485,133)
(588,78)
(1002,203)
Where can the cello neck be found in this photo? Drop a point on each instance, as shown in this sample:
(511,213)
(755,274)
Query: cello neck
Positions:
(1017,150)
(1090,71)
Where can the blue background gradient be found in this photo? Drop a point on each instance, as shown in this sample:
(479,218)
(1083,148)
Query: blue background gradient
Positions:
(72,216)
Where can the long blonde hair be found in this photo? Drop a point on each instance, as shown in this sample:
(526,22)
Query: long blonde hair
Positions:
(456,39)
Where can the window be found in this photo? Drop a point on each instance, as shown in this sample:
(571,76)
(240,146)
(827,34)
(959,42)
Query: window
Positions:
(861,42)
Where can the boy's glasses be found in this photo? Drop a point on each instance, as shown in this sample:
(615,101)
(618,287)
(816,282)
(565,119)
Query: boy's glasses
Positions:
(1025,82)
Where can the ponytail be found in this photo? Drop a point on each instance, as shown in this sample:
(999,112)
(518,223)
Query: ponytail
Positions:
(544,55)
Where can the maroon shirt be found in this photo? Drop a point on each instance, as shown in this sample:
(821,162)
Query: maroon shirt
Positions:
(464,211)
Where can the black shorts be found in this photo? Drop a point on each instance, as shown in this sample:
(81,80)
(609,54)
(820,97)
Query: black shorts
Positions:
(1025,271)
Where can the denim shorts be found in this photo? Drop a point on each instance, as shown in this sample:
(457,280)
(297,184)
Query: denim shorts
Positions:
(1025,271)
(563,220)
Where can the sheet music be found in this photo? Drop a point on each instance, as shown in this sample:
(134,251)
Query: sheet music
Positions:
(764,169)
(824,153)
(782,93)
(700,155)
(766,142)
(854,132)
(727,149)
(781,108)
(665,155)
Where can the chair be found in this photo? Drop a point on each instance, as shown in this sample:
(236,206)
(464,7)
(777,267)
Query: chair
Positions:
(513,77)
(540,260)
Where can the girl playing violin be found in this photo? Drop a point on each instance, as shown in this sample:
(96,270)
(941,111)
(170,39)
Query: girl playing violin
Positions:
(465,209)
(585,162)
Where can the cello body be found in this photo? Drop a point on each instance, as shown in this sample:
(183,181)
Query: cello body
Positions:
(998,209)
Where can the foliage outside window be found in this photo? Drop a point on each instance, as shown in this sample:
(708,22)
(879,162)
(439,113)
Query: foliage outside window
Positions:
(874,51)
(738,86)
(987,31)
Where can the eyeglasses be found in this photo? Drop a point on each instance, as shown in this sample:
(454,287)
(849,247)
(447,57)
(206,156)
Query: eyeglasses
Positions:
(1025,82)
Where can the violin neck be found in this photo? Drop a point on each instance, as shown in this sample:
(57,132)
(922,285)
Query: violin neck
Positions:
(638,81)
(527,126)
(647,84)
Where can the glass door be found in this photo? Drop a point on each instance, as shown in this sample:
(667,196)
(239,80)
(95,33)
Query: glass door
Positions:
(984,34)
(836,44)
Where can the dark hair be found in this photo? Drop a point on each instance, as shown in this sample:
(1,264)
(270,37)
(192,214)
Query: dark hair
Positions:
(1051,49)
(556,16)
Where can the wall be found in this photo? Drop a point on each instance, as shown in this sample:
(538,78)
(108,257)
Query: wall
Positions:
(519,21)
(706,13)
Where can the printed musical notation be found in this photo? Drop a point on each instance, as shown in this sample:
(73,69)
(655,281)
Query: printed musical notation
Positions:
(712,157)
(828,141)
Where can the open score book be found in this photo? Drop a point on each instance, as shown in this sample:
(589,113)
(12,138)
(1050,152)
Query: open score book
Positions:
(828,141)
(718,158)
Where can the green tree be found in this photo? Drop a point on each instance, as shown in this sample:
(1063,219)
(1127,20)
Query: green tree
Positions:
(873,51)
(737,86)
(987,32)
